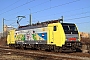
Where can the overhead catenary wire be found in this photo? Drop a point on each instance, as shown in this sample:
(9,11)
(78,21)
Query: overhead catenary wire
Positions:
(13,23)
(56,6)
(70,19)
(78,18)
(9,20)
(10,5)
(83,22)
(69,11)
(50,6)
(54,13)
(82,17)
(17,7)
(31,7)
(76,0)
(40,4)
(87,12)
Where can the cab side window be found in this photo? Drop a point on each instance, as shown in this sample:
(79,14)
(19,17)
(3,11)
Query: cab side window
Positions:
(55,28)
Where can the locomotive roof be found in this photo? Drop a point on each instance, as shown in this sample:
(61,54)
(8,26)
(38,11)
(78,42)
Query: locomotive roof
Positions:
(40,25)
(67,23)
(37,25)
(31,27)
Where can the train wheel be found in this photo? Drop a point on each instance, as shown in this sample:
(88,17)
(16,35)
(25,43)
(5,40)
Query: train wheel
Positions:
(56,49)
(11,46)
(60,49)
(39,48)
(21,47)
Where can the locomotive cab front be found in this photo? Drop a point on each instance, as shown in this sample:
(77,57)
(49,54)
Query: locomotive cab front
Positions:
(72,36)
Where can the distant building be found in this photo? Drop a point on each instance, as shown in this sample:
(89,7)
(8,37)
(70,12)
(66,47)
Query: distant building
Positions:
(84,35)
(8,28)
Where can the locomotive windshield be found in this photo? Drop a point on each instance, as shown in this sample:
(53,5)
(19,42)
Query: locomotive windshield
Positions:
(69,28)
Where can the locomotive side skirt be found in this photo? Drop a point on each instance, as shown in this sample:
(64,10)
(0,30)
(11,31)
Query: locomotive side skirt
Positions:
(32,42)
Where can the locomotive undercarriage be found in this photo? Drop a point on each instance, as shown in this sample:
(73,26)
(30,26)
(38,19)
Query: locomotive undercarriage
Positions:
(68,47)
(72,46)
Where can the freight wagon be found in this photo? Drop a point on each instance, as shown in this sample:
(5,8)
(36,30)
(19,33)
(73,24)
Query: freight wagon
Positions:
(49,35)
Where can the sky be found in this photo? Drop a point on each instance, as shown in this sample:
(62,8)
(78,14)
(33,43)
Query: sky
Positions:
(73,11)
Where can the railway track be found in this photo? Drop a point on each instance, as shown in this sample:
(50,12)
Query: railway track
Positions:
(39,55)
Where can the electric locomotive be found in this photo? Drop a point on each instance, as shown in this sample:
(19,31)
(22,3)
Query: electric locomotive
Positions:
(50,35)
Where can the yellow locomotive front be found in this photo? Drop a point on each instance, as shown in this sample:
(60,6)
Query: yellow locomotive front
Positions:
(72,35)
(64,36)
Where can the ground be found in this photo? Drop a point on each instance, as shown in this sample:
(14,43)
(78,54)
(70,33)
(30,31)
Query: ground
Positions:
(9,56)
